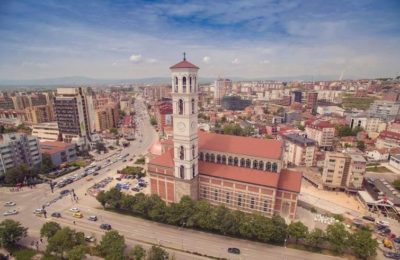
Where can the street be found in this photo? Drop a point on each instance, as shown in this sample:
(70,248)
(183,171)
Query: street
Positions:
(135,230)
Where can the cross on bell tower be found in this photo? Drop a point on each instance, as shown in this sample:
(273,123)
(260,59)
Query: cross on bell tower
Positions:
(185,99)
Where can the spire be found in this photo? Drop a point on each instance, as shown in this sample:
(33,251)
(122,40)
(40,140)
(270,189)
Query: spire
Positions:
(184,56)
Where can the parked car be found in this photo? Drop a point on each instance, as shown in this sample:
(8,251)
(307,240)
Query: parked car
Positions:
(95,173)
(89,239)
(74,209)
(105,226)
(77,215)
(382,223)
(9,204)
(56,215)
(392,255)
(64,192)
(234,250)
(369,218)
(10,212)
(396,240)
(92,218)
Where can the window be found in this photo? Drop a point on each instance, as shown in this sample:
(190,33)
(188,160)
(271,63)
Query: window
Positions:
(223,159)
(268,166)
(212,157)
(204,192)
(242,162)
(252,201)
(230,160)
(176,84)
(201,156)
(182,172)
(194,84)
(193,171)
(248,163)
(274,167)
(236,161)
(193,106)
(255,164)
(190,84)
(218,158)
(216,195)
(239,201)
(265,205)
(227,197)
(261,165)
(180,106)
(181,153)
(207,157)
(193,151)
(184,85)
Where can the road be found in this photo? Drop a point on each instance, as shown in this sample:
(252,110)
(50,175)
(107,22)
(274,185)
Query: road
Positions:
(135,230)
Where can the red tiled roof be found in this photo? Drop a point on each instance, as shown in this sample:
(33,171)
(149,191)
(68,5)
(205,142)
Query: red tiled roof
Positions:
(183,65)
(241,174)
(49,147)
(240,145)
(166,159)
(390,135)
(290,180)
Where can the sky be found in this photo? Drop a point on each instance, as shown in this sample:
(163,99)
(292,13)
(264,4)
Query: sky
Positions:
(119,39)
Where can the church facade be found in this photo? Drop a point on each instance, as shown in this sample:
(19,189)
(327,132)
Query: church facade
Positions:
(241,173)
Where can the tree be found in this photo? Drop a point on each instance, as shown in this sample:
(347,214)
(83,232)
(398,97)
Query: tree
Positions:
(153,121)
(301,127)
(361,145)
(297,230)
(362,244)
(100,147)
(112,245)
(337,236)
(157,253)
(137,253)
(396,184)
(64,240)
(49,229)
(11,232)
(77,253)
(279,229)
(232,129)
(47,164)
(315,237)
(102,198)
(113,131)
(18,174)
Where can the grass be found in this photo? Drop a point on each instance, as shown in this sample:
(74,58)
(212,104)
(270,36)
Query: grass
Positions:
(378,169)
(357,102)
(80,163)
(140,161)
(24,253)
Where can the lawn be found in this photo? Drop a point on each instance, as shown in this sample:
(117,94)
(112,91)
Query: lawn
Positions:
(24,254)
(379,169)
(357,102)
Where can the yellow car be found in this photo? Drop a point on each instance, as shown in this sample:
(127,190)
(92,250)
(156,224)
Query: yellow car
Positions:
(77,215)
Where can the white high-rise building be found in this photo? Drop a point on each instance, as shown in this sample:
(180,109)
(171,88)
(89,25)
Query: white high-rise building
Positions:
(221,86)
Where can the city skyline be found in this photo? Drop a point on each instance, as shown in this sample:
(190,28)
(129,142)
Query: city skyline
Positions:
(256,39)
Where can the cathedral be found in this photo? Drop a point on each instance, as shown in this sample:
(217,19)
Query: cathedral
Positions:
(242,173)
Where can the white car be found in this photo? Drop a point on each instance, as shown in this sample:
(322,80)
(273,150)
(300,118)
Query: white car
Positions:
(382,222)
(75,209)
(9,204)
(10,212)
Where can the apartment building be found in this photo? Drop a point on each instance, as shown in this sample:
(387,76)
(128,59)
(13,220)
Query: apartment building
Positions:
(74,113)
(322,132)
(299,150)
(369,124)
(39,114)
(221,87)
(46,131)
(384,109)
(18,149)
(106,117)
(388,139)
(343,171)
(59,152)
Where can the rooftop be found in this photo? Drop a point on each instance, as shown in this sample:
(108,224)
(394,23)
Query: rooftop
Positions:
(184,65)
(299,139)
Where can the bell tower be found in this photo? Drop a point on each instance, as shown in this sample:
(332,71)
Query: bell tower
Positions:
(185,99)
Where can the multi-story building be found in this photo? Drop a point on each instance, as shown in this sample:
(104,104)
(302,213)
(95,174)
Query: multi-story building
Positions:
(38,99)
(74,113)
(235,103)
(20,102)
(311,100)
(19,149)
(384,109)
(299,150)
(388,139)
(297,96)
(241,173)
(46,131)
(39,114)
(163,114)
(221,86)
(343,171)
(6,102)
(369,124)
(59,152)
(106,117)
(322,132)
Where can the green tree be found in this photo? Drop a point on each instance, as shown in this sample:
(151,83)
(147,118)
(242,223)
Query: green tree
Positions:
(47,164)
(100,147)
(137,253)
(279,229)
(361,145)
(49,229)
(157,253)
(64,240)
(11,232)
(315,237)
(301,127)
(297,230)
(18,174)
(112,245)
(102,198)
(77,252)
(337,236)
(362,244)
(396,184)
(232,129)
(153,120)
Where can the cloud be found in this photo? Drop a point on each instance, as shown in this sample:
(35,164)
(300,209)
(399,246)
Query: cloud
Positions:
(114,64)
(135,58)
(151,60)
(206,59)
(236,61)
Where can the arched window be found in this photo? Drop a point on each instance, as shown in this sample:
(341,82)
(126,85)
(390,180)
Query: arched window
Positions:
(274,167)
(230,160)
(184,85)
(201,156)
(235,161)
(193,151)
(193,106)
(181,153)
(182,172)
(212,157)
(193,170)
(176,85)
(255,164)
(223,159)
(190,84)
(242,162)
(180,106)
(218,158)
(261,165)
(194,84)
(248,163)
(268,166)
(207,157)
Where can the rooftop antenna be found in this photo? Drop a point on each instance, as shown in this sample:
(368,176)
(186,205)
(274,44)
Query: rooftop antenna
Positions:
(184,56)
